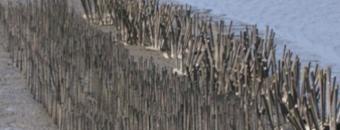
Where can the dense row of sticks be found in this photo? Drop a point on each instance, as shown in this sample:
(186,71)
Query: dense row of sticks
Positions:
(87,81)
(198,44)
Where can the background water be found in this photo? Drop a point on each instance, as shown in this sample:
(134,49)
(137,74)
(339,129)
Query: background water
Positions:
(310,28)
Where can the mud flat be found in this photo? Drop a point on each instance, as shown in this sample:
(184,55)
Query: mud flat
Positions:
(18,110)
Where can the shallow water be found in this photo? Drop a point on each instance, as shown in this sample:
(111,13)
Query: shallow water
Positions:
(310,28)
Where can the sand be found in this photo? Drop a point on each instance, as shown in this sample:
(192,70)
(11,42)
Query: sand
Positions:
(18,109)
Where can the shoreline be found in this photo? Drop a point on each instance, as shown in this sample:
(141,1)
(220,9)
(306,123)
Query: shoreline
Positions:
(306,53)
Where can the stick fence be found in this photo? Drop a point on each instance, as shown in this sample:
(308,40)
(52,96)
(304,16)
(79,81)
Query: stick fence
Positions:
(87,80)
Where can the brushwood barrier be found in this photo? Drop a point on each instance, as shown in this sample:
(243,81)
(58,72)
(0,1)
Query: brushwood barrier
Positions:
(87,80)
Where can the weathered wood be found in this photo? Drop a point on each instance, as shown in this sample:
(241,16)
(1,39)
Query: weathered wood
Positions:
(87,81)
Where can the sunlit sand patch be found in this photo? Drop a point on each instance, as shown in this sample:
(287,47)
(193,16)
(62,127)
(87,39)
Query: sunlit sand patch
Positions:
(178,72)
(153,48)
(165,55)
